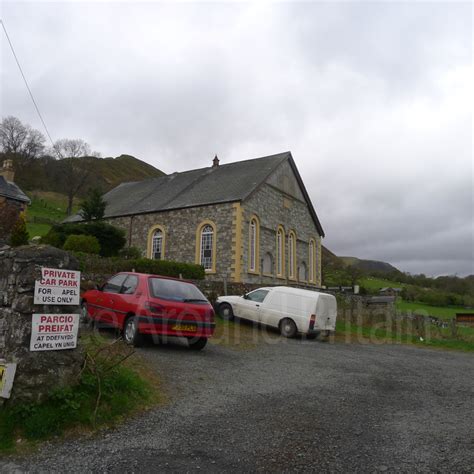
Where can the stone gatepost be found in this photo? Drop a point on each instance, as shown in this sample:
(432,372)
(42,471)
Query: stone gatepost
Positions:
(39,372)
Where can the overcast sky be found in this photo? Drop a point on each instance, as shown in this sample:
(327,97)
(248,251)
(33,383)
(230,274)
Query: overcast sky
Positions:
(375,101)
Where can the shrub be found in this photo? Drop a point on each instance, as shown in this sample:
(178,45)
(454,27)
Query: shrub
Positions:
(19,235)
(109,266)
(111,239)
(8,217)
(130,253)
(82,243)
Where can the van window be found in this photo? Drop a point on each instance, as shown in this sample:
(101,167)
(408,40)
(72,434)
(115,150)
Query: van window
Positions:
(258,295)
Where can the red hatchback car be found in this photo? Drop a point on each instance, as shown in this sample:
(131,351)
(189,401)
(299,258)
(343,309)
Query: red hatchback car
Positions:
(139,304)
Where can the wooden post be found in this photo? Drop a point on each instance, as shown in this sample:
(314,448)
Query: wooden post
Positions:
(454,328)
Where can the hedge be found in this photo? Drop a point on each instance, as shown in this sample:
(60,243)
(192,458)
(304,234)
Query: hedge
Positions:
(93,264)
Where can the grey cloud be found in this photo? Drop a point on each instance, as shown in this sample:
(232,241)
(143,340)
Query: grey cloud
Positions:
(372,99)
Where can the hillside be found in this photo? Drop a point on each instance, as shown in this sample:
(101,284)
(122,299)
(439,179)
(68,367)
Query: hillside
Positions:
(368,265)
(46,174)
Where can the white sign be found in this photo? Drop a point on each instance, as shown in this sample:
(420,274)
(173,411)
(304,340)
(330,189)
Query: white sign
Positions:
(7,374)
(54,332)
(58,287)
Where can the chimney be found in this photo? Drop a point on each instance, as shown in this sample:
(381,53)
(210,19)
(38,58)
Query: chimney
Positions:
(7,171)
(215,162)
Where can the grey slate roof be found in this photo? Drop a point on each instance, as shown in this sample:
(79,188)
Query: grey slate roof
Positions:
(12,191)
(225,183)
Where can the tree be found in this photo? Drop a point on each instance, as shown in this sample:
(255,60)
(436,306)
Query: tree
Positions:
(93,207)
(20,139)
(73,176)
(19,235)
(71,148)
(8,216)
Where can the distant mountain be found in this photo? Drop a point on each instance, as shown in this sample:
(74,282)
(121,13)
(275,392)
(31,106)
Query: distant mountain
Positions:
(45,174)
(369,265)
(329,259)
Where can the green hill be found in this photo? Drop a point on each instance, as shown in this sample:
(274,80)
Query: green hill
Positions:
(369,265)
(45,174)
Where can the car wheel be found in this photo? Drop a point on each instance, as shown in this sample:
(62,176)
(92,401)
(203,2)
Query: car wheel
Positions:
(225,311)
(197,344)
(288,328)
(130,332)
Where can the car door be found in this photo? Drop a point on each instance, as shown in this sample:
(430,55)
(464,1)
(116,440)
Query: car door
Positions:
(250,304)
(127,299)
(106,303)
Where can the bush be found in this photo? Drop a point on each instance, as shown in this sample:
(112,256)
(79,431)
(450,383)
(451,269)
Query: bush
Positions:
(109,266)
(19,235)
(111,239)
(130,253)
(82,243)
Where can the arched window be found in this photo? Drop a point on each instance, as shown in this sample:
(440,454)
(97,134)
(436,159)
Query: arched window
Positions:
(280,251)
(292,255)
(312,260)
(254,244)
(268,264)
(206,246)
(303,272)
(156,243)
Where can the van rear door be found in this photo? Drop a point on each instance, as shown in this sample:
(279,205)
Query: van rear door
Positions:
(326,313)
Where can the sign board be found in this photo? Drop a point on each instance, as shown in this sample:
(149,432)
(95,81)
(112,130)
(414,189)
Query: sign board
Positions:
(57,287)
(7,374)
(54,332)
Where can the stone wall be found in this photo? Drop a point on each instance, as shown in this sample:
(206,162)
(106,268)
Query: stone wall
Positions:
(37,372)
(274,207)
(180,227)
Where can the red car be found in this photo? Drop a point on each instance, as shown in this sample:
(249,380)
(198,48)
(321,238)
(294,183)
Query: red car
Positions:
(139,304)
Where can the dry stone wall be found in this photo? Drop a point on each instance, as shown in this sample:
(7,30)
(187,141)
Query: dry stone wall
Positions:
(37,372)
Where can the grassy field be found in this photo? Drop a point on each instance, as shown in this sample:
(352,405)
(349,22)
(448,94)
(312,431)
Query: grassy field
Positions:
(445,312)
(440,338)
(46,205)
(375,284)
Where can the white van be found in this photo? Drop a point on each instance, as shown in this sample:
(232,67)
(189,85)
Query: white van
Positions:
(291,310)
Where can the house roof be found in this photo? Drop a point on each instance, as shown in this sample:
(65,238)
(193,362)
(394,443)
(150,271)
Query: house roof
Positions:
(12,191)
(213,185)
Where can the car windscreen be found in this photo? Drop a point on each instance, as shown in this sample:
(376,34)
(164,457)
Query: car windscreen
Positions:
(176,291)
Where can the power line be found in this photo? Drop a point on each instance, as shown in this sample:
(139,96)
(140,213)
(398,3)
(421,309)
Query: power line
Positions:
(26,83)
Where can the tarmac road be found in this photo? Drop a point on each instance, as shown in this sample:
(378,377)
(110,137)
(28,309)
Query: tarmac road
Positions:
(290,405)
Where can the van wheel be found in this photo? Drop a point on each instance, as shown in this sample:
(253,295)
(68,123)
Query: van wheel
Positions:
(288,328)
(225,311)
(130,332)
(198,344)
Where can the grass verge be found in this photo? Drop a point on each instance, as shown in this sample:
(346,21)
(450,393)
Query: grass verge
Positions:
(434,337)
(113,383)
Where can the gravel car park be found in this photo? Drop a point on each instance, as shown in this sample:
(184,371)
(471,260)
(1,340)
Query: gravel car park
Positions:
(288,406)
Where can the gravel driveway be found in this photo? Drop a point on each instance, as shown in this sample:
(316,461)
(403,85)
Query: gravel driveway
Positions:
(289,406)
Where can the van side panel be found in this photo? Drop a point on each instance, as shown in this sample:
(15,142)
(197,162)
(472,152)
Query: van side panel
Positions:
(287,305)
